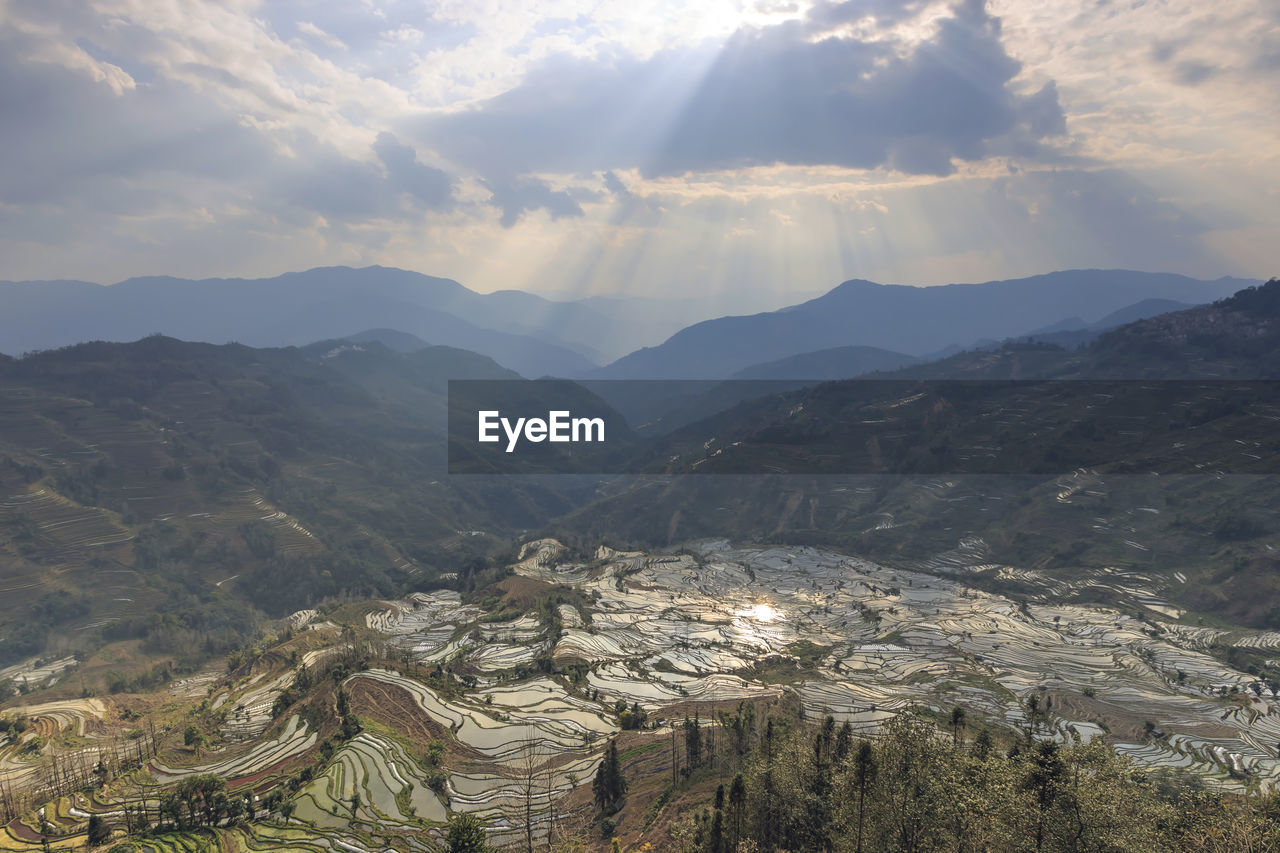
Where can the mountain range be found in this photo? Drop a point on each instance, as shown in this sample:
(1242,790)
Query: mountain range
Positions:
(536,336)
(520,330)
(320,471)
(915,321)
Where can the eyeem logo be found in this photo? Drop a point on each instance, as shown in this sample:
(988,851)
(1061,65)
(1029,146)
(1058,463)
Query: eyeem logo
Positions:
(558,426)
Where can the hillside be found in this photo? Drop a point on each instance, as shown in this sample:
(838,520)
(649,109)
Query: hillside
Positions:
(219,483)
(835,363)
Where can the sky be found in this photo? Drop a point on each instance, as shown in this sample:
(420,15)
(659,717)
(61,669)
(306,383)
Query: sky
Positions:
(756,151)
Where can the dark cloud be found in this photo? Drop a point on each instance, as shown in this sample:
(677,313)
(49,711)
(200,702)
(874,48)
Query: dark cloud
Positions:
(768,96)
(336,187)
(321,179)
(826,16)
(1193,73)
(1187,72)
(521,195)
(615,186)
(430,186)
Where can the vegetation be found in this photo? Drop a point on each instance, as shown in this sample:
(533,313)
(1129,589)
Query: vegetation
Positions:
(608,786)
(466,835)
(916,788)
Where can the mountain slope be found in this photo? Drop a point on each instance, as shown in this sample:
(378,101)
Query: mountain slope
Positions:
(390,338)
(834,363)
(214,482)
(913,320)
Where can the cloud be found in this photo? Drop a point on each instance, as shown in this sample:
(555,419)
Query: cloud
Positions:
(430,186)
(1193,72)
(69,135)
(519,196)
(310,29)
(615,186)
(784,94)
(75,138)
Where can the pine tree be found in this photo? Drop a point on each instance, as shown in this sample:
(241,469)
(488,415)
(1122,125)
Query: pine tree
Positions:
(982,745)
(609,786)
(716,842)
(864,774)
(737,799)
(957,724)
(466,835)
(692,744)
(844,741)
(99,831)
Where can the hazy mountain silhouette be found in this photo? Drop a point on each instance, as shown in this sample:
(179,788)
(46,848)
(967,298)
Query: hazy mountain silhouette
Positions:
(834,363)
(522,331)
(912,320)
(390,338)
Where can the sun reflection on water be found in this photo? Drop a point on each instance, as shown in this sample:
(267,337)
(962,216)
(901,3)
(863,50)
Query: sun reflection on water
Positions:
(761,613)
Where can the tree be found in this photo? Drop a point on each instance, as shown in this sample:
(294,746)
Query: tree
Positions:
(717,823)
(864,775)
(530,759)
(1043,780)
(957,724)
(99,831)
(982,745)
(692,743)
(738,800)
(609,786)
(844,741)
(466,835)
(193,738)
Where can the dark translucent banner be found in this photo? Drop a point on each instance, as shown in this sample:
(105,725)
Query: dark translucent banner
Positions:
(936,427)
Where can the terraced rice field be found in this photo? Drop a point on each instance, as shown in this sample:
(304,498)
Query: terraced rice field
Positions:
(513,738)
(33,672)
(293,740)
(385,777)
(251,714)
(867,641)
(68,527)
(427,624)
(76,718)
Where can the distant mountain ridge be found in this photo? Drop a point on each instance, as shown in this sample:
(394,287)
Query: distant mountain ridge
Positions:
(537,336)
(401,342)
(522,331)
(911,320)
(834,363)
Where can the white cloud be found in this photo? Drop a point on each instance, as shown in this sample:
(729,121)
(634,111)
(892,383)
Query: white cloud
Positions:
(322,36)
